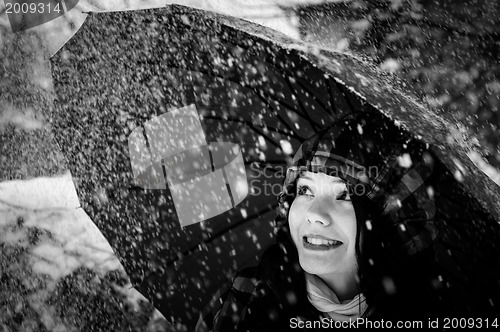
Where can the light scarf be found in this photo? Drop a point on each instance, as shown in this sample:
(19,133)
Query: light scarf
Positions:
(325,300)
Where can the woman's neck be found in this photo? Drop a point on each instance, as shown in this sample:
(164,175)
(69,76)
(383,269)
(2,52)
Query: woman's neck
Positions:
(345,286)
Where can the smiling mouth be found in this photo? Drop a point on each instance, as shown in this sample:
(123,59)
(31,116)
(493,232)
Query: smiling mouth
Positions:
(315,243)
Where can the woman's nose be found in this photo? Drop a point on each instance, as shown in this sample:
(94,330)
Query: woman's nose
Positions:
(318,211)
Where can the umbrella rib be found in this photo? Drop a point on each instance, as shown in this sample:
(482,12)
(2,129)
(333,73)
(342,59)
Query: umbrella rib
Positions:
(213,117)
(266,137)
(348,101)
(314,126)
(272,162)
(262,95)
(282,121)
(303,114)
(316,99)
(282,103)
(279,117)
(196,247)
(332,101)
(269,139)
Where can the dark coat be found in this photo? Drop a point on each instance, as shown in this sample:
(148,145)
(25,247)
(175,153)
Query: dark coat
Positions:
(268,297)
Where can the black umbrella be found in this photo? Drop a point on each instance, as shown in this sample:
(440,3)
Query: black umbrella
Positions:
(177,125)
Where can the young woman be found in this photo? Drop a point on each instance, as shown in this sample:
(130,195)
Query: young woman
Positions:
(354,238)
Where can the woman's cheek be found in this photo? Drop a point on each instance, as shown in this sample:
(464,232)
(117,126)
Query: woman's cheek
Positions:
(293,220)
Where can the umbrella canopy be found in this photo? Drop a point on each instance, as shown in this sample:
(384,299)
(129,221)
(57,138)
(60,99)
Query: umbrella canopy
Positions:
(178,124)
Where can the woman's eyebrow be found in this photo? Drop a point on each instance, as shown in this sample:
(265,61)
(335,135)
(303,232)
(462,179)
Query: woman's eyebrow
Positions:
(306,177)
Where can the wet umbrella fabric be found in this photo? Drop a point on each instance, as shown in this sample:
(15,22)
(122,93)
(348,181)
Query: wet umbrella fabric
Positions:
(245,86)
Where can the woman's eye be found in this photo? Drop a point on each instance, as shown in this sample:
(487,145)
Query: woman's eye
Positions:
(344,196)
(304,190)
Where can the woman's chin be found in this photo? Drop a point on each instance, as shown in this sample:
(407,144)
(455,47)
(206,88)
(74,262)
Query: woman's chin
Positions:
(316,266)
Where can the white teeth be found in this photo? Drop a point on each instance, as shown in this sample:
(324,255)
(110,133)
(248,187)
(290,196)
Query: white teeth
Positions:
(318,242)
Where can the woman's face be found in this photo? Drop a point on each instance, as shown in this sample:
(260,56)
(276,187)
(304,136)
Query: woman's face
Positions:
(323,225)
